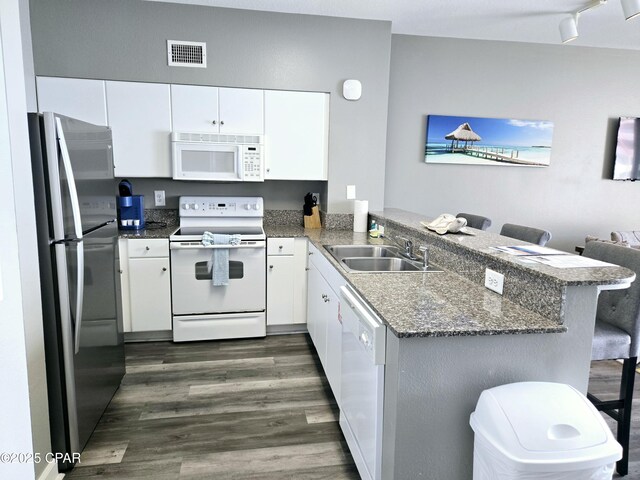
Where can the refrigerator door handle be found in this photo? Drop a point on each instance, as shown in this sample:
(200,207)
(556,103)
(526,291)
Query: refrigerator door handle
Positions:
(80,293)
(77,226)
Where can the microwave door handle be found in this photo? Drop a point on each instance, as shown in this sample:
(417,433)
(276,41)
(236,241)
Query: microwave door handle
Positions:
(239,162)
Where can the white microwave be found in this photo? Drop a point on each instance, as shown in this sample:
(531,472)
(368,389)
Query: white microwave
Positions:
(217,157)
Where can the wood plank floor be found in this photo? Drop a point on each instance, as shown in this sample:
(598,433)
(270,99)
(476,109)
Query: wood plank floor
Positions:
(241,409)
(233,409)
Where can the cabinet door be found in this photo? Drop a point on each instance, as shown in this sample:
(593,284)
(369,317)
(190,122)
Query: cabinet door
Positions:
(316,308)
(296,135)
(280,286)
(241,110)
(73,97)
(140,117)
(299,295)
(123,252)
(150,294)
(334,343)
(194,108)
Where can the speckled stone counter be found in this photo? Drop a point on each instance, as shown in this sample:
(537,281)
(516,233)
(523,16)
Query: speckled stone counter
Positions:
(416,304)
(162,232)
(161,222)
(455,302)
(536,287)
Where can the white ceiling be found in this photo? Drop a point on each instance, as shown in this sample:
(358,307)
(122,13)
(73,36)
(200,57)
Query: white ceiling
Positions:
(533,21)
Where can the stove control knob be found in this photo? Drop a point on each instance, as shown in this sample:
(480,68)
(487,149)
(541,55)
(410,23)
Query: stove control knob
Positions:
(247,206)
(185,206)
(256,206)
(194,206)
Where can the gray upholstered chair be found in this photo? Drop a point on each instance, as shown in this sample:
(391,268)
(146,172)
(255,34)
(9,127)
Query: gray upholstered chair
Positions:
(476,221)
(631,237)
(527,234)
(617,336)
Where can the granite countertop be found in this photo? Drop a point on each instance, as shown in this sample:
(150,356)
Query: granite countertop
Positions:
(416,304)
(161,232)
(480,244)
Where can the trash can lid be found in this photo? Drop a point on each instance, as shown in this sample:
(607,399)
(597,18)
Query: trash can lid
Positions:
(544,422)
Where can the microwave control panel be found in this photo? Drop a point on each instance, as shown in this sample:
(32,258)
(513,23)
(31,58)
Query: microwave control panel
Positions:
(252,163)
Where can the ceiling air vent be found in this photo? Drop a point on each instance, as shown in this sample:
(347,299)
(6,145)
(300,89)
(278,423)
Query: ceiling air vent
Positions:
(186,54)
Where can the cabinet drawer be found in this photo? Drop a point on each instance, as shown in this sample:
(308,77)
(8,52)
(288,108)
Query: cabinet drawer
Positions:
(148,248)
(280,246)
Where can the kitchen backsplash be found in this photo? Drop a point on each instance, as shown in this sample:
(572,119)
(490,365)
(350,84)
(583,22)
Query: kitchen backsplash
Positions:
(331,221)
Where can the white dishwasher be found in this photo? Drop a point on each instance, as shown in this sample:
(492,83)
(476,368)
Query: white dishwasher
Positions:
(362,383)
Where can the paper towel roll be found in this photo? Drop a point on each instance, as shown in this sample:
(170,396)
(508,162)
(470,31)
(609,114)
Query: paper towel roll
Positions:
(360,215)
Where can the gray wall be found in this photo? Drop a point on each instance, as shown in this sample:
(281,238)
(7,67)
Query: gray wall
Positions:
(126,40)
(24,414)
(582,90)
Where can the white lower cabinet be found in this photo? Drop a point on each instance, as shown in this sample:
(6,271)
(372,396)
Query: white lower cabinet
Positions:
(323,316)
(146,285)
(286,281)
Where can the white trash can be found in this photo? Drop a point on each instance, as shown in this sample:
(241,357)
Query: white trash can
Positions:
(542,431)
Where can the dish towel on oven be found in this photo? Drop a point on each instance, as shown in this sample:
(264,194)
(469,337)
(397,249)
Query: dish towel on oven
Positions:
(218,265)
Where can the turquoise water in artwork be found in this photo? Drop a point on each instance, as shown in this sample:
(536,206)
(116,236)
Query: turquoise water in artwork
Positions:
(439,153)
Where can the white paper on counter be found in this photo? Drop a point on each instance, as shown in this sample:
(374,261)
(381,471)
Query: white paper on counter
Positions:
(569,261)
(520,250)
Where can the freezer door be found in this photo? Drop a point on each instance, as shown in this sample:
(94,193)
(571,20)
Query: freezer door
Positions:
(91,156)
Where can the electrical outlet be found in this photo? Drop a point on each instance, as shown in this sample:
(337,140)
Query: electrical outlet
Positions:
(159,198)
(317,197)
(351,192)
(493,280)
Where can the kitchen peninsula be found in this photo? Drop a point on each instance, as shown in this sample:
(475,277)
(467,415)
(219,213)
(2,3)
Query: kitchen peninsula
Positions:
(449,338)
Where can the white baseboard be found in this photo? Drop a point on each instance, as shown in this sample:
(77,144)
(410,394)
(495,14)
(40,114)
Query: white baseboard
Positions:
(51,472)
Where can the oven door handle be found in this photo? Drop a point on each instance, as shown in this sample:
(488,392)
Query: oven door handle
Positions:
(191,246)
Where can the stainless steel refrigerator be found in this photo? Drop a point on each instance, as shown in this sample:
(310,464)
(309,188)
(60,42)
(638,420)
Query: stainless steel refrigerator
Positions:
(75,204)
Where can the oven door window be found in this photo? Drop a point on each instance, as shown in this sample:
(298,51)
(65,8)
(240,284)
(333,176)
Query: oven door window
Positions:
(208,162)
(236,271)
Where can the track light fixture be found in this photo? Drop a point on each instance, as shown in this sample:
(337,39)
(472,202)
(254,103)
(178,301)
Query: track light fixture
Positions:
(569,25)
(569,28)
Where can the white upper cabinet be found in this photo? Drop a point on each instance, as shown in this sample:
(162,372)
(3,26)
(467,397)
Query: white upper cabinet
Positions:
(73,97)
(296,135)
(194,108)
(241,110)
(140,116)
(217,110)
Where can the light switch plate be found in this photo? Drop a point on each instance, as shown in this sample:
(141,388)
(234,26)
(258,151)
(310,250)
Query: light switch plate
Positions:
(159,198)
(493,280)
(351,192)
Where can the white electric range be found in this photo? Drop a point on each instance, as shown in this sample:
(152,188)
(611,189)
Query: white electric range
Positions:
(201,310)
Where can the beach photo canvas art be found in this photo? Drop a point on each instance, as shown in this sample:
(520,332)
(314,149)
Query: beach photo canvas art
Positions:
(488,141)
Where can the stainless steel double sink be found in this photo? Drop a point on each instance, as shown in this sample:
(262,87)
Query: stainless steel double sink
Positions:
(374,259)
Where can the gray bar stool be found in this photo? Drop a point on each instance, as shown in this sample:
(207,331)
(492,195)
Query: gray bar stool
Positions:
(476,221)
(617,336)
(526,234)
